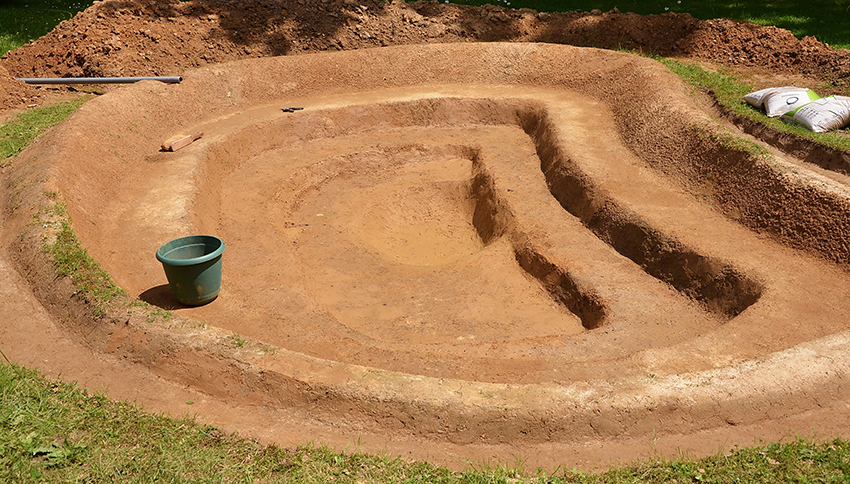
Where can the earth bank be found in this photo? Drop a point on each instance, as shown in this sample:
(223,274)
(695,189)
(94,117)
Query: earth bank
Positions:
(205,357)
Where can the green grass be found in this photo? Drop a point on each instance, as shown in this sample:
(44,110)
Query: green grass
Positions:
(72,260)
(729,92)
(16,134)
(51,431)
(25,20)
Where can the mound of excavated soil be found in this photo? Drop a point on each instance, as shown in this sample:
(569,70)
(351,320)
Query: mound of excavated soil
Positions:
(164,37)
(17,94)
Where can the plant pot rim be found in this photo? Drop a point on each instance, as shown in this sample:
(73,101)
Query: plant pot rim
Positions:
(194,260)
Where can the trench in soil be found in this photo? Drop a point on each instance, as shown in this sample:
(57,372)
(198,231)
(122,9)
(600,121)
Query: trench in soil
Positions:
(471,232)
(387,243)
(720,287)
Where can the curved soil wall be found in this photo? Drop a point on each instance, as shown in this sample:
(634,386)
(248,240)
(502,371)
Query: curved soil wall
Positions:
(466,242)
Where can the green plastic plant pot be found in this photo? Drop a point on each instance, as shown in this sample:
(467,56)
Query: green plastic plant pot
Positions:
(193,267)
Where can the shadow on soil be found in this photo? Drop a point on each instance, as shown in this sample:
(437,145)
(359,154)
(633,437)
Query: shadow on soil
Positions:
(161,297)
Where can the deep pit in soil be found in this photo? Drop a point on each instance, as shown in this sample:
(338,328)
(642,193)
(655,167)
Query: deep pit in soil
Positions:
(422,246)
(467,230)
(451,233)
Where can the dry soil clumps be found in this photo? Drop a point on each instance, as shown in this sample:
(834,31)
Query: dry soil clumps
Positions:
(162,38)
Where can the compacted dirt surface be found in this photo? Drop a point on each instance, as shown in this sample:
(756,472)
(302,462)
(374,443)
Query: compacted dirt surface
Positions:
(457,250)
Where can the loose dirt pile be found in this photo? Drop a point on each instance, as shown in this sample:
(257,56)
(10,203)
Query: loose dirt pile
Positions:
(164,37)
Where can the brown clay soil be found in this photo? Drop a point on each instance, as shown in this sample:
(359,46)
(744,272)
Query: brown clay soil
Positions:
(166,37)
(459,250)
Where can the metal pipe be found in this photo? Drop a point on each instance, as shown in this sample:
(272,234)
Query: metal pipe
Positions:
(99,80)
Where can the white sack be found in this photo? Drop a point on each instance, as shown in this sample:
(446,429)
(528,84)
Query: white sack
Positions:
(756,99)
(822,115)
(781,101)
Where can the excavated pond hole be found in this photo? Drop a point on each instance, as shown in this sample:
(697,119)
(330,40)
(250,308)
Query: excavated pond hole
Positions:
(423,256)
(522,244)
